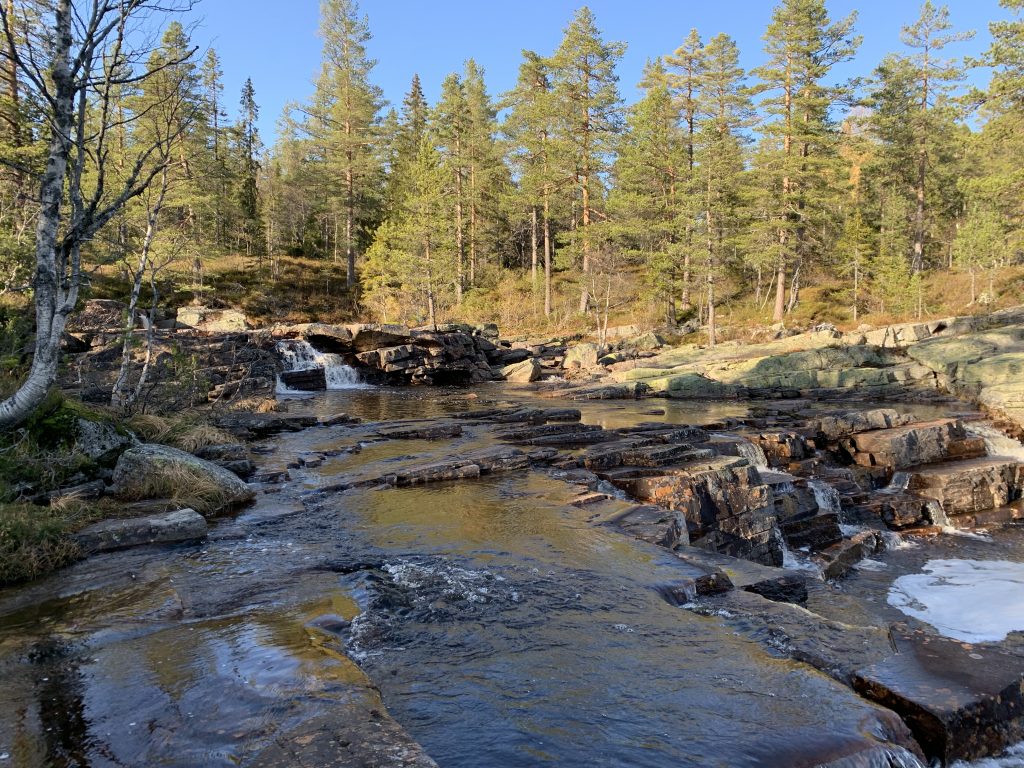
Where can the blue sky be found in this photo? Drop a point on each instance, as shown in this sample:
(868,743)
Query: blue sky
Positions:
(276,42)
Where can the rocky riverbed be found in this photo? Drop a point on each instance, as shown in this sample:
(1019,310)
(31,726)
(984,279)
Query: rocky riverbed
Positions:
(800,553)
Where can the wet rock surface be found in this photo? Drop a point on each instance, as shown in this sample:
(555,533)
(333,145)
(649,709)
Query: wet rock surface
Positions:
(525,550)
(181,525)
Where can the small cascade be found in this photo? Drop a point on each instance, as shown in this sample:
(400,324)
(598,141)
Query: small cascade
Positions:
(996,443)
(299,355)
(938,515)
(892,540)
(752,452)
(900,482)
(799,561)
(826,496)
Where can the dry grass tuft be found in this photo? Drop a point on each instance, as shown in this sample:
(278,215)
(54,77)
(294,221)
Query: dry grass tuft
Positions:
(258,405)
(185,434)
(185,486)
(150,427)
(33,541)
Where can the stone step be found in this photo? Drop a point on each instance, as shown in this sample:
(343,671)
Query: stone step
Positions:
(970,486)
(962,702)
(817,532)
(914,444)
(310,380)
(839,558)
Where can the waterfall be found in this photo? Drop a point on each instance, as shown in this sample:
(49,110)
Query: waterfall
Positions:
(752,452)
(900,482)
(938,515)
(826,496)
(799,561)
(996,443)
(299,355)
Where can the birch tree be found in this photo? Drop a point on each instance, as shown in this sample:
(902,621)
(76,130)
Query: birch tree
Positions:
(75,58)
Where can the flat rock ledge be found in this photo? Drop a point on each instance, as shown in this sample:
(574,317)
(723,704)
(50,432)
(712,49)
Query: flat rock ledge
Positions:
(172,527)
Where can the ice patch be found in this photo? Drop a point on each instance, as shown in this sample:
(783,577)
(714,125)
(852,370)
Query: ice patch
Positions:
(975,601)
(868,564)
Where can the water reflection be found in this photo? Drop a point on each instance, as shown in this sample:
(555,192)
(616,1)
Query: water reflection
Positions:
(502,628)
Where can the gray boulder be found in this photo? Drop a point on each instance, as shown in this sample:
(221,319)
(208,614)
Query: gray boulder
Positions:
(100,440)
(182,525)
(581,356)
(151,471)
(522,373)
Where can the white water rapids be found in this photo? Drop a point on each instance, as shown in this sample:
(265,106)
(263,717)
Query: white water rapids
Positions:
(299,355)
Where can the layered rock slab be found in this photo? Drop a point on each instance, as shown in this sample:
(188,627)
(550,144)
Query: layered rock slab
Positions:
(961,702)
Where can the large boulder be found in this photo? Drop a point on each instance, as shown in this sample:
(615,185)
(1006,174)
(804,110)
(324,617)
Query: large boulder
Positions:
(581,356)
(368,337)
(182,525)
(150,471)
(522,373)
(646,341)
(329,338)
(914,444)
(728,509)
(100,440)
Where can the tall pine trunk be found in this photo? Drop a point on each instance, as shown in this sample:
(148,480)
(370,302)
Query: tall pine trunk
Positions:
(547,255)
(585,294)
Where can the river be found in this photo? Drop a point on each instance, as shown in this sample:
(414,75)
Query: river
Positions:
(499,626)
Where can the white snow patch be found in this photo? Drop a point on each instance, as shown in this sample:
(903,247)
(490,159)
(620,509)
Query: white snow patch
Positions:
(975,601)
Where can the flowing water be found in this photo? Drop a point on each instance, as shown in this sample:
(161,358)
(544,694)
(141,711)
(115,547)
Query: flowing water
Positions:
(499,625)
(299,355)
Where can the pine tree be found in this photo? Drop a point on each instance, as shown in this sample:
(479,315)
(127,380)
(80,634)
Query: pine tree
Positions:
(344,114)
(687,64)
(994,187)
(530,127)
(802,44)
(725,112)
(935,79)
(589,114)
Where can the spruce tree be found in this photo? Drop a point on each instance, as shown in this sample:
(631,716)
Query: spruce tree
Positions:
(248,148)
(451,127)
(650,176)
(488,175)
